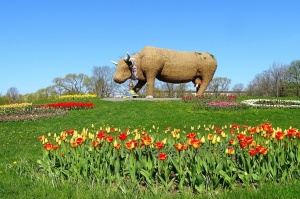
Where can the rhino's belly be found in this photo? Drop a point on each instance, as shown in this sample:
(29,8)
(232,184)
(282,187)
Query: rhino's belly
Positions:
(175,77)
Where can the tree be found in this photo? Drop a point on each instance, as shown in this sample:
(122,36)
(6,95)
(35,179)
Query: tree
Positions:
(219,84)
(180,89)
(277,72)
(49,92)
(168,89)
(292,77)
(101,82)
(238,88)
(270,82)
(2,99)
(72,83)
(12,95)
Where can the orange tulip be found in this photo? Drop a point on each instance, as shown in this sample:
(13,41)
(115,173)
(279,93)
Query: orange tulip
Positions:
(42,137)
(264,151)
(55,147)
(63,137)
(196,143)
(95,143)
(179,146)
(232,142)
(146,140)
(74,144)
(109,139)
(117,145)
(131,144)
(48,146)
(279,135)
(229,150)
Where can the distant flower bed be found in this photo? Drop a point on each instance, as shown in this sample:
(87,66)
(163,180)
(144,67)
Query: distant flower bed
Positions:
(71,105)
(83,96)
(33,112)
(212,101)
(222,104)
(268,103)
(20,105)
(210,98)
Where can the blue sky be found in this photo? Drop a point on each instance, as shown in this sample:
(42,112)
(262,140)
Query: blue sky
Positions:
(44,39)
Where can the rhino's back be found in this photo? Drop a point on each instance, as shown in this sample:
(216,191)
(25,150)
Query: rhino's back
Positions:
(176,66)
(174,54)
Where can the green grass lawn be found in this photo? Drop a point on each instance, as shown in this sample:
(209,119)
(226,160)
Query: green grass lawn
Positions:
(19,142)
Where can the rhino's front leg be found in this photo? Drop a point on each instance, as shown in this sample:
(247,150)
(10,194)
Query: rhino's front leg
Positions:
(139,85)
(150,87)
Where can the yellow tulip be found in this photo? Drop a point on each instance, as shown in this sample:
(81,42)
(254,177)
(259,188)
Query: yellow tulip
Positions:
(203,139)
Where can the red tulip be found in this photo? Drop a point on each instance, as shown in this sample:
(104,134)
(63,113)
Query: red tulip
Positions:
(159,145)
(252,152)
(162,156)
(243,144)
(191,136)
(101,134)
(122,136)
(248,139)
(79,141)
(240,136)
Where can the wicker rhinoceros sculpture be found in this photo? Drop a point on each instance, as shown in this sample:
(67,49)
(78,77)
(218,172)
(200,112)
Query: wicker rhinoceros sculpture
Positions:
(166,65)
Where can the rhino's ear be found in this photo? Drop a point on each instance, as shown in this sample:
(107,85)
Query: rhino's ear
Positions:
(115,63)
(127,58)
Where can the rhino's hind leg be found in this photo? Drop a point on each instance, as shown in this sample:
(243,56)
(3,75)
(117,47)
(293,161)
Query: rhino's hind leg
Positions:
(204,85)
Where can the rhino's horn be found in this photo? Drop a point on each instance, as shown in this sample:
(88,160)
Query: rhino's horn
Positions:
(115,63)
(128,57)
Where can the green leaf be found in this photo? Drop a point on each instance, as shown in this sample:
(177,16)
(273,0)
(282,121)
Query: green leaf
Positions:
(224,174)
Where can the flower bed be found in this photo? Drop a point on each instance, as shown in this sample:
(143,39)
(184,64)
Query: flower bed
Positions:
(199,158)
(268,103)
(71,105)
(213,102)
(27,111)
(82,96)
(18,105)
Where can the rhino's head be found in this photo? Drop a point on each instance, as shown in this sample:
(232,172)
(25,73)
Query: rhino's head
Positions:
(123,70)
